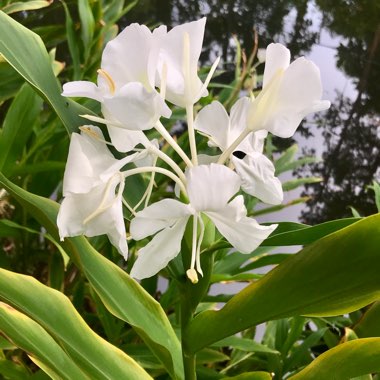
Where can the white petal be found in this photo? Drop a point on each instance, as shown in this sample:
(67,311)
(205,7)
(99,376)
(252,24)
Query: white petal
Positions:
(156,255)
(277,57)
(238,116)
(124,140)
(244,233)
(213,120)
(88,158)
(131,56)
(136,108)
(210,187)
(82,89)
(257,178)
(172,56)
(75,208)
(157,216)
(298,95)
(254,142)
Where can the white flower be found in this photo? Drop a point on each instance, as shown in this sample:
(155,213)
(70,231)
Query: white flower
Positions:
(92,190)
(126,79)
(290,92)
(178,62)
(254,168)
(210,189)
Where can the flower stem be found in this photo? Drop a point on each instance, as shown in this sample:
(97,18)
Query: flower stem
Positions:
(149,169)
(233,146)
(191,132)
(166,135)
(164,157)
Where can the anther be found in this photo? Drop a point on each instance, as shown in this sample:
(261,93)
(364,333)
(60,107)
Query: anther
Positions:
(108,78)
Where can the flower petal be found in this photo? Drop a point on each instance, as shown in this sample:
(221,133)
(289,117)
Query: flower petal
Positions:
(136,108)
(277,57)
(254,142)
(75,208)
(210,187)
(82,89)
(164,247)
(299,94)
(257,178)
(131,57)
(158,216)
(213,121)
(238,117)
(88,158)
(171,55)
(244,233)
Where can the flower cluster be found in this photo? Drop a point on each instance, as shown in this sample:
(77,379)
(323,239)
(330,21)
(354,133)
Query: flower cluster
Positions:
(140,72)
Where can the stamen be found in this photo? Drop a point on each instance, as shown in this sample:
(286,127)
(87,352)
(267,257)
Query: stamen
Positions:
(126,204)
(209,76)
(198,255)
(148,191)
(92,133)
(101,208)
(100,120)
(109,80)
(192,275)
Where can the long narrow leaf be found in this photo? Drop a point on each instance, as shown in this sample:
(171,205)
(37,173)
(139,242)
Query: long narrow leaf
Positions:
(25,51)
(348,360)
(122,295)
(32,338)
(55,313)
(335,275)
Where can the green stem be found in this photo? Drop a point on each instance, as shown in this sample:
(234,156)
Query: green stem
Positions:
(191,295)
(186,317)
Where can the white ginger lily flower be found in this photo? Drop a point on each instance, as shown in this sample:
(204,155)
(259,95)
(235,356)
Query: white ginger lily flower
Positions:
(210,189)
(178,63)
(254,168)
(290,92)
(126,80)
(92,188)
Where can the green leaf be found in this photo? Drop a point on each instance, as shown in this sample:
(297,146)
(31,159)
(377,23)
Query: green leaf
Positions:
(21,6)
(285,158)
(376,188)
(355,213)
(348,360)
(299,352)
(260,375)
(87,25)
(207,356)
(333,276)
(369,323)
(11,370)
(121,294)
(244,344)
(55,313)
(72,42)
(294,183)
(24,50)
(301,234)
(10,81)
(268,210)
(32,338)
(17,126)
